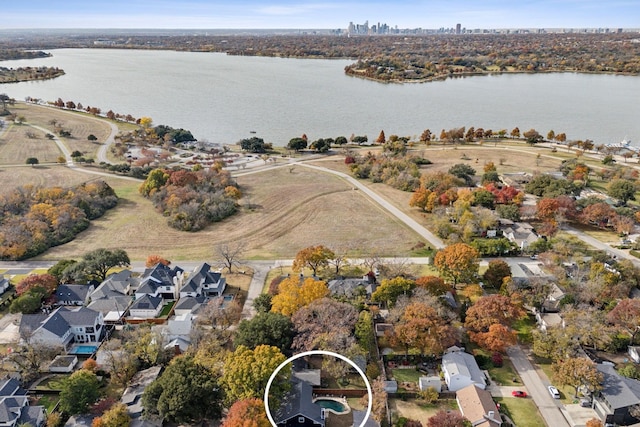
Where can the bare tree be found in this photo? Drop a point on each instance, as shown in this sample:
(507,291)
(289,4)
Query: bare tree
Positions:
(340,261)
(228,254)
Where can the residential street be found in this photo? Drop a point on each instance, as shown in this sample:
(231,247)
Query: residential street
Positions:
(549,407)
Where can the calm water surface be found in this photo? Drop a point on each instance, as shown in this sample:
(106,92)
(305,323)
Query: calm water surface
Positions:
(224,98)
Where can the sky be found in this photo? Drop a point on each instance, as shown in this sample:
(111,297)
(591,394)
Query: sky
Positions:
(318,14)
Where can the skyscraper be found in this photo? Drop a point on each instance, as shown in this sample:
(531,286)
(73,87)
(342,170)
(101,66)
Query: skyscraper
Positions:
(458,27)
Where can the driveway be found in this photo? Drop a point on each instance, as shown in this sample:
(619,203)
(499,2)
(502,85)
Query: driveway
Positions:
(549,408)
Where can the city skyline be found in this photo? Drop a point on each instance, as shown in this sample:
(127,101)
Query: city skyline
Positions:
(255,14)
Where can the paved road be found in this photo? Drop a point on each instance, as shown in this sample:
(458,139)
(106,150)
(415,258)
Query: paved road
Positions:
(549,407)
(102,151)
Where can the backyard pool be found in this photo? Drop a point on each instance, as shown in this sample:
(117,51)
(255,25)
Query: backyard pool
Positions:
(226,299)
(83,349)
(333,405)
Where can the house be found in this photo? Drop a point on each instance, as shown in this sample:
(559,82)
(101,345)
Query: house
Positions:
(297,407)
(383,329)
(549,320)
(551,303)
(521,234)
(617,396)
(177,332)
(146,307)
(80,420)
(160,281)
(14,406)
(433,382)
(203,281)
(73,294)
(113,296)
(4,284)
(132,396)
(461,370)
(351,287)
(189,305)
(63,326)
(477,405)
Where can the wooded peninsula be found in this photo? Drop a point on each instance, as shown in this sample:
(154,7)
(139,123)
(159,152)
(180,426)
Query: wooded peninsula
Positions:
(393,57)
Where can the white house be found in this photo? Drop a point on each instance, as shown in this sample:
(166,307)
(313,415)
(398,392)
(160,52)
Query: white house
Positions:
(433,382)
(63,326)
(4,284)
(203,281)
(146,307)
(160,281)
(461,370)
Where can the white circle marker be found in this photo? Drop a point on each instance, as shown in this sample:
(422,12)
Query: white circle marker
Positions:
(313,353)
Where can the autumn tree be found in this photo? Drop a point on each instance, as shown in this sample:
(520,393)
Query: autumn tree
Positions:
(457,263)
(390,289)
(247,413)
(313,257)
(246,372)
(325,324)
(422,327)
(381,138)
(577,372)
(496,272)
(594,422)
(379,400)
(532,136)
(490,319)
(273,329)
(626,316)
(433,284)
(46,282)
(155,259)
(292,294)
(186,392)
(444,418)
(116,416)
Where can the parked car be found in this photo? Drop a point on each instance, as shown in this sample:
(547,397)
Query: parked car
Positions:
(518,393)
(554,392)
(585,402)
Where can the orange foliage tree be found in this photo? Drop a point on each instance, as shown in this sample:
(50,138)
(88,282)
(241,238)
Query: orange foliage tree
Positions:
(420,326)
(457,263)
(433,284)
(292,295)
(155,259)
(489,311)
(46,281)
(246,413)
(313,257)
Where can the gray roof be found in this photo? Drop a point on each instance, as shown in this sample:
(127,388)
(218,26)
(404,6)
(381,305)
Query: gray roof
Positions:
(32,415)
(201,276)
(11,387)
(147,302)
(81,316)
(72,293)
(358,417)
(349,287)
(299,402)
(619,391)
(56,324)
(161,274)
(459,362)
(11,408)
(116,284)
(116,303)
(189,303)
(132,396)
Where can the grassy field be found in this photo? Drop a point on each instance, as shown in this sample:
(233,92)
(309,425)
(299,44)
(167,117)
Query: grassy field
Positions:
(16,147)
(415,410)
(523,412)
(290,211)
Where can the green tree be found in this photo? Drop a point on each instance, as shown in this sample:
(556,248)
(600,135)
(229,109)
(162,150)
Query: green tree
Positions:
(263,303)
(32,161)
(297,144)
(78,391)
(321,145)
(97,263)
(463,171)
(495,274)
(532,136)
(364,331)
(28,303)
(253,145)
(273,329)
(186,392)
(246,372)
(58,268)
(622,189)
(156,179)
(390,289)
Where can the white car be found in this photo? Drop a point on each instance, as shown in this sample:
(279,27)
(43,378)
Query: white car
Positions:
(554,392)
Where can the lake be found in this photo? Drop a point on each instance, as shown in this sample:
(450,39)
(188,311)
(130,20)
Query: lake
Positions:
(223,99)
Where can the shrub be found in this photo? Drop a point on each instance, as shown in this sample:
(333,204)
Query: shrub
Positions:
(496,360)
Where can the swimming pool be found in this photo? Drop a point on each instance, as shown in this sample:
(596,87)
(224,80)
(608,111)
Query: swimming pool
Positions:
(83,349)
(333,405)
(226,299)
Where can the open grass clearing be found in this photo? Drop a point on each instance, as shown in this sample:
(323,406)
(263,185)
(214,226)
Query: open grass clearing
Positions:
(43,176)
(415,410)
(523,412)
(79,124)
(290,211)
(16,146)
(405,375)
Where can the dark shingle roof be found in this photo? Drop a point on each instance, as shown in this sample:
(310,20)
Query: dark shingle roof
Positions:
(81,316)
(299,402)
(619,391)
(146,302)
(72,292)
(11,387)
(189,303)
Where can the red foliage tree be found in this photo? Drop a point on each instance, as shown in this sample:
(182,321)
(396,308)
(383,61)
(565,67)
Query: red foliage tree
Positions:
(46,281)
(447,419)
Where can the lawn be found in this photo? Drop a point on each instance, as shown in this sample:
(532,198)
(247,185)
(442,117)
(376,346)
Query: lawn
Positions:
(405,375)
(505,374)
(166,309)
(523,328)
(415,410)
(523,412)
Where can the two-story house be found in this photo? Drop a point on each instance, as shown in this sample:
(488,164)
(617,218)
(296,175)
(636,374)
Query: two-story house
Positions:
(14,406)
(68,294)
(113,296)
(203,281)
(63,326)
(160,281)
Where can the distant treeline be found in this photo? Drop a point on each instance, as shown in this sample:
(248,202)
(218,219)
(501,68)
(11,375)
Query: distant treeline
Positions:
(11,54)
(34,219)
(399,58)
